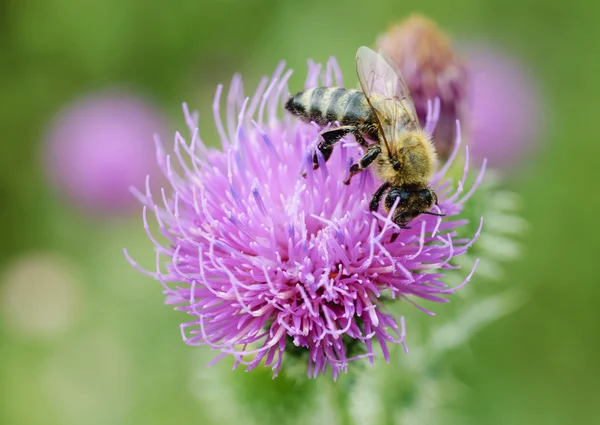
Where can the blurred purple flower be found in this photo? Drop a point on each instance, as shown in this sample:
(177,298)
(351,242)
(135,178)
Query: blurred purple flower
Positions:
(268,262)
(99,146)
(504,106)
(425,56)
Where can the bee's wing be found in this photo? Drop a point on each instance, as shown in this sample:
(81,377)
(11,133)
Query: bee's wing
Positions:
(386,91)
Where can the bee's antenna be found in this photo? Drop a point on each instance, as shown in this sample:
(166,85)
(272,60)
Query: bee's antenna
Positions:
(431,213)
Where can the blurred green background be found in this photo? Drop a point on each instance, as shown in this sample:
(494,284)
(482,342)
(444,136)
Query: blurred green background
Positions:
(119,358)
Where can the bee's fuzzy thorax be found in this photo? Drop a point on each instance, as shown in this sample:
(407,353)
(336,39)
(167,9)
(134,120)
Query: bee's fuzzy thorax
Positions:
(416,154)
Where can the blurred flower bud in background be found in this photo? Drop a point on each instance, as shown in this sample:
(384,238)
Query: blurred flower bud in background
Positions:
(489,91)
(505,105)
(41,295)
(99,146)
(431,68)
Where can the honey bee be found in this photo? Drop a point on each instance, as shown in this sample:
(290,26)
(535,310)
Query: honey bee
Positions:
(383,120)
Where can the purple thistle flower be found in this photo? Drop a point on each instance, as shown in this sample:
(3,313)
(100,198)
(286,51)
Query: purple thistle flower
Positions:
(99,146)
(505,105)
(268,262)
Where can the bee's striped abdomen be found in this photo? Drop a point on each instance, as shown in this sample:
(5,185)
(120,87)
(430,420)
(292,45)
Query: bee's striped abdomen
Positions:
(329,104)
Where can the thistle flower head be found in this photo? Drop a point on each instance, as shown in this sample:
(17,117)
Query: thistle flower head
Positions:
(267,262)
(431,68)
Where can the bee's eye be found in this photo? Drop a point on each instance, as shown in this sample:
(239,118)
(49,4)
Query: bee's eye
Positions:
(425,194)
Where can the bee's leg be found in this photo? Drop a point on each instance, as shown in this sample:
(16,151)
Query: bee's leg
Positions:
(364,162)
(360,139)
(376,199)
(330,138)
(395,235)
(397,218)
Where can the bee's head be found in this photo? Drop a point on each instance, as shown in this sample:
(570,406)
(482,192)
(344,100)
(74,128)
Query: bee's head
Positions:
(413,202)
